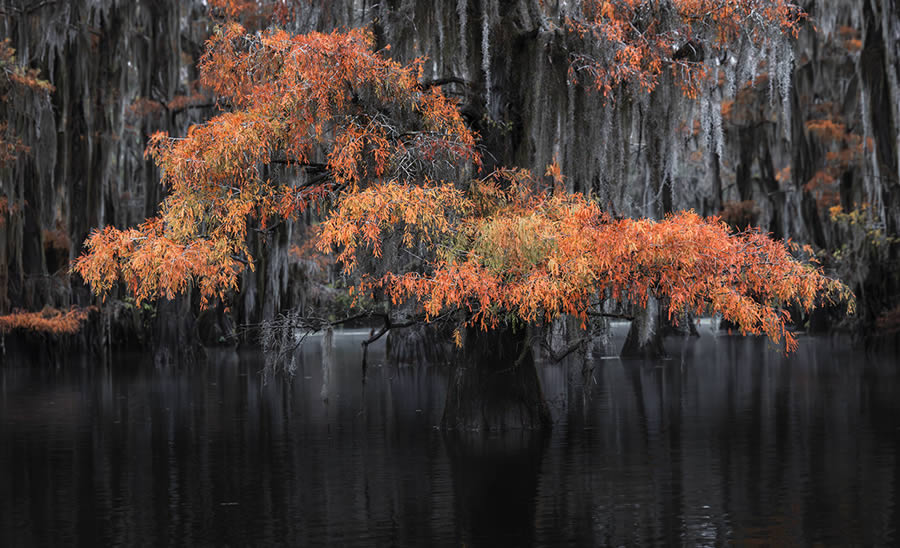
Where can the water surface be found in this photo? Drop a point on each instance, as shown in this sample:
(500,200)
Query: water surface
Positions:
(728,442)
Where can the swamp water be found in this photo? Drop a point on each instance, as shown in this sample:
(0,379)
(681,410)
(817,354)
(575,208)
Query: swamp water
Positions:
(728,442)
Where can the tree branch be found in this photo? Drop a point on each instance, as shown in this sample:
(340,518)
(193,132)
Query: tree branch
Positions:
(444,81)
(568,350)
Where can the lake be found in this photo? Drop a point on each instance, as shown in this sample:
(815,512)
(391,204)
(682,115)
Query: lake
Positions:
(727,442)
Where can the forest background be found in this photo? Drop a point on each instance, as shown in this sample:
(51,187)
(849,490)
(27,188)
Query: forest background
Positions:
(803,141)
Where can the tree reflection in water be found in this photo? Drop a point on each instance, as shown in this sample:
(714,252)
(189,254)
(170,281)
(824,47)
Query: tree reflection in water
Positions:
(727,442)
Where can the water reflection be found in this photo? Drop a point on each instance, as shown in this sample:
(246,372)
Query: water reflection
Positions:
(728,442)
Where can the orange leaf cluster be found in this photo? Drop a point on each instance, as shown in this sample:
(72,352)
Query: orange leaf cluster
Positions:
(18,75)
(49,320)
(7,209)
(154,265)
(57,239)
(826,130)
(143,106)
(324,105)
(554,171)
(747,106)
(845,149)
(255,13)
(850,38)
(15,78)
(741,214)
(640,40)
(419,213)
(536,256)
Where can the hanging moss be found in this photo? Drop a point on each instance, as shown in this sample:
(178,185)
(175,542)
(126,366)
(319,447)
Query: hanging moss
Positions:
(122,69)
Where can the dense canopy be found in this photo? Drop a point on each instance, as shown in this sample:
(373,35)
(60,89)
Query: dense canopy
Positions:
(318,117)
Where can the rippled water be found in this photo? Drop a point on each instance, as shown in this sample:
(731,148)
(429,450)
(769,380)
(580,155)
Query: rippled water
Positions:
(727,443)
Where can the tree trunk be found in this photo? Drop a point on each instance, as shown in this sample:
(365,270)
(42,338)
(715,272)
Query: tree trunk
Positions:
(644,339)
(175,339)
(495,385)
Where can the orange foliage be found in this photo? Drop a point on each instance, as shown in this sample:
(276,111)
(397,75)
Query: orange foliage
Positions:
(180,102)
(554,172)
(56,239)
(824,188)
(308,253)
(4,210)
(295,99)
(845,149)
(826,130)
(853,45)
(15,79)
(537,256)
(851,38)
(256,14)
(649,38)
(49,320)
(7,209)
(740,214)
(727,107)
(154,265)
(18,75)
(143,106)
(359,127)
(10,145)
(297,253)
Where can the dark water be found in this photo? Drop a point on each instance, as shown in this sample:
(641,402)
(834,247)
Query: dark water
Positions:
(727,443)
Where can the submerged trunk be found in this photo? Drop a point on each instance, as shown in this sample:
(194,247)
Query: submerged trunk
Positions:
(175,338)
(495,385)
(644,339)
